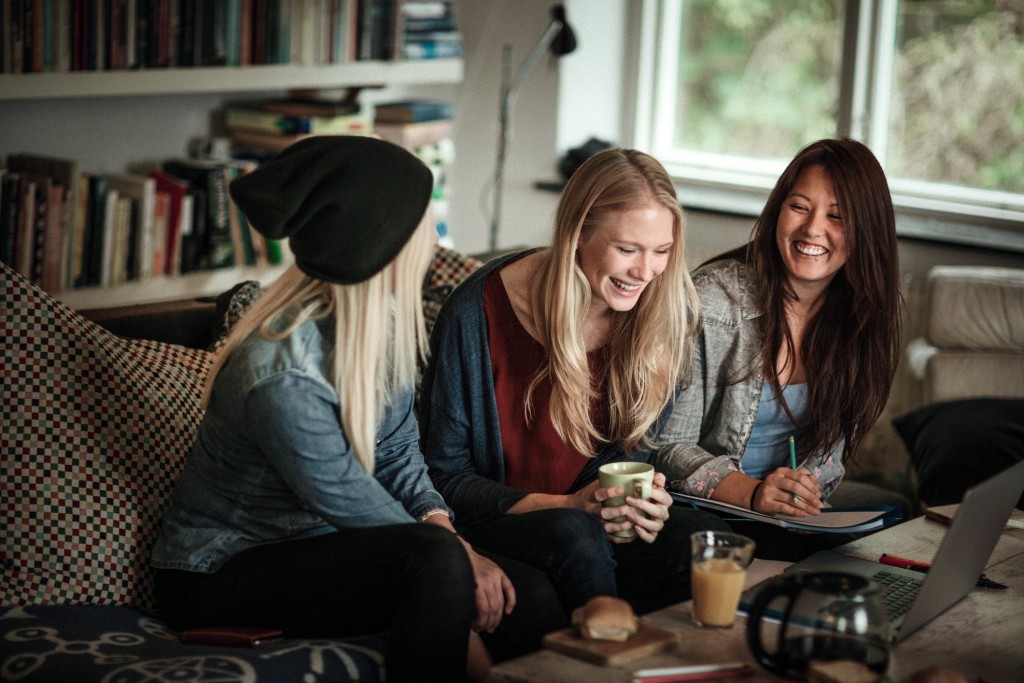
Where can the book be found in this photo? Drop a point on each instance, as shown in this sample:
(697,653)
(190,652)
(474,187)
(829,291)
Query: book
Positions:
(93,242)
(376,31)
(65,173)
(120,238)
(311,107)
(249,140)
(78,249)
(9,193)
(835,520)
(432,48)
(415,135)
(108,236)
(141,190)
(176,191)
(25,240)
(413,111)
(161,214)
(39,248)
(211,231)
(253,119)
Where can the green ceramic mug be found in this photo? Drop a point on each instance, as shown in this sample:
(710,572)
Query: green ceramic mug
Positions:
(635,478)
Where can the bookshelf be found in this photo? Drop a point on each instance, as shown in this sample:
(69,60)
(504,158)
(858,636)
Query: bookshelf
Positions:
(75,88)
(168,288)
(228,79)
(129,85)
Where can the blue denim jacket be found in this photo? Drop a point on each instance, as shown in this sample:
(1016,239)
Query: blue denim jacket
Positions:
(271,461)
(713,417)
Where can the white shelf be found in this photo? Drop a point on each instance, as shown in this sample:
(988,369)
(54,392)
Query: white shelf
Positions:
(227,79)
(167,288)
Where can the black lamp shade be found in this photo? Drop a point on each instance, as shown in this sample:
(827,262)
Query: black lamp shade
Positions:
(565,41)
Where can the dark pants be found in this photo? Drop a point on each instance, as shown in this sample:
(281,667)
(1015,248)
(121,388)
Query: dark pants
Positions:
(571,547)
(411,581)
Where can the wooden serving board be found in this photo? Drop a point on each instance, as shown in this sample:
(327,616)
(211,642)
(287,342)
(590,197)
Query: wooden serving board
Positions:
(647,641)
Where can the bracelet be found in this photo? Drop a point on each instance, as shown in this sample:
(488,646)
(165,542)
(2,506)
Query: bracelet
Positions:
(754,495)
(435,511)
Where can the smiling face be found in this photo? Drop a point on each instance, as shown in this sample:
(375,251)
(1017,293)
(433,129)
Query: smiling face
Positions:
(810,233)
(623,252)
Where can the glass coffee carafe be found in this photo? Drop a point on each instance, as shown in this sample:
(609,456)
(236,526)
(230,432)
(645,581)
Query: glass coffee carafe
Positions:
(822,616)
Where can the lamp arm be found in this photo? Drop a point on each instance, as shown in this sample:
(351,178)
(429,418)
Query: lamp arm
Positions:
(531,59)
(508,91)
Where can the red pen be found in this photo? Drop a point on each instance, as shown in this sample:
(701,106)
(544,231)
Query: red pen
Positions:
(897,561)
(918,566)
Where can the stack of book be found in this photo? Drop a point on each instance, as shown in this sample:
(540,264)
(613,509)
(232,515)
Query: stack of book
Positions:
(414,123)
(66,228)
(425,128)
(268,127)
(427,30)
(96,35)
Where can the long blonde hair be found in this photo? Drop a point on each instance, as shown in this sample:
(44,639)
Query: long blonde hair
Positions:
(650,347)
(379,332)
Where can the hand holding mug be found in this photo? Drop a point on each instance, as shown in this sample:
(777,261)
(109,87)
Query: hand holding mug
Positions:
(635,479)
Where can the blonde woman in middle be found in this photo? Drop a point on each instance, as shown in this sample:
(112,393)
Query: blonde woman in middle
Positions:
(549,363)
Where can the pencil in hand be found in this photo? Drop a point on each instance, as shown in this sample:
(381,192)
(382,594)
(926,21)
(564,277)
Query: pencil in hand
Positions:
(792,459)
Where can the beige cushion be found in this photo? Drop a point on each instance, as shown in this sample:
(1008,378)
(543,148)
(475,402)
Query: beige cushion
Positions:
(976,307)
(951,375)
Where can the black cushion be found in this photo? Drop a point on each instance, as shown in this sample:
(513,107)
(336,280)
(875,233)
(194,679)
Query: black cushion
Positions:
(956,444)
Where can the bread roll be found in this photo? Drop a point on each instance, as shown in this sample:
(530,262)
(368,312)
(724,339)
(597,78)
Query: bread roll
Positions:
(937,674)
(839,671)
(605,618)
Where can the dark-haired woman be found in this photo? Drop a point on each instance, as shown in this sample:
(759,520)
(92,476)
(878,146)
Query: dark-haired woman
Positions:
(799,337)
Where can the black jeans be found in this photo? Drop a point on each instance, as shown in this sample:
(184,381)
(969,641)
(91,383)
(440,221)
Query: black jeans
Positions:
(412,581)
(571,547)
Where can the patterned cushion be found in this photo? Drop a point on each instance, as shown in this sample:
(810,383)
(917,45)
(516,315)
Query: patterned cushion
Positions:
(447,270)
(94,433)
(58,644)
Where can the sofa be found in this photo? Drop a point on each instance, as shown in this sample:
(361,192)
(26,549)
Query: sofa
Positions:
(100,409)
(969,362)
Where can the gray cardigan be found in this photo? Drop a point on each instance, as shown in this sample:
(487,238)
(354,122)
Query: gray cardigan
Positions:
(712,419)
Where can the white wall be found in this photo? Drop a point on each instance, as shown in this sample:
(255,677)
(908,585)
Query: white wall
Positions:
(561,104)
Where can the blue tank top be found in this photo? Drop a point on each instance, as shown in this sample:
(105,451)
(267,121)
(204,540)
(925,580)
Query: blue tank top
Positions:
(768,447)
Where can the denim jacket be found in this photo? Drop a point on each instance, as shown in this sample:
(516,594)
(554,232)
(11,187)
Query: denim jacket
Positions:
(712,419)
(271,461)
(459,411)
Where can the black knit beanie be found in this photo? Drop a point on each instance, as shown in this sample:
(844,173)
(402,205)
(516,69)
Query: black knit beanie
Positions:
(347,203)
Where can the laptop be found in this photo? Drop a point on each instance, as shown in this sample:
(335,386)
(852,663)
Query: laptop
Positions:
(912,598)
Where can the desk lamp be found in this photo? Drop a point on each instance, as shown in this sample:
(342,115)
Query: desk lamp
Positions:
(561,40)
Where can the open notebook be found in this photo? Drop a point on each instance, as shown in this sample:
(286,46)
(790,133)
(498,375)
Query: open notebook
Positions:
(836,520)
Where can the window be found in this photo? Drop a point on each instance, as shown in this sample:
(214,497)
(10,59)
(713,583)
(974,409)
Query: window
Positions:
(730,90)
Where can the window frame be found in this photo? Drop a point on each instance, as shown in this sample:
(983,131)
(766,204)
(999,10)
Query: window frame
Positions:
(740,185)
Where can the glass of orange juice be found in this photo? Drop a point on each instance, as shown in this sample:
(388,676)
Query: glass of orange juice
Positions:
(717,575)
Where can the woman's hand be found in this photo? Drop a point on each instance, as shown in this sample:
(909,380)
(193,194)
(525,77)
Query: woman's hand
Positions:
(792,492)
(495,595)
(646,527)
(656,509)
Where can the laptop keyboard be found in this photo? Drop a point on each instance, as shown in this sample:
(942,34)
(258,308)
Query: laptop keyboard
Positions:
(900,592)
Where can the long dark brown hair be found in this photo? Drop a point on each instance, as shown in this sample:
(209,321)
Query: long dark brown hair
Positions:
(851,345)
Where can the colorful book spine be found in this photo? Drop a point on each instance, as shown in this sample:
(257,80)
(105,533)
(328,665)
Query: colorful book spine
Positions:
(413,111)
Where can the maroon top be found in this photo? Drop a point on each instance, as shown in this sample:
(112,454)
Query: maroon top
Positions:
(536,458)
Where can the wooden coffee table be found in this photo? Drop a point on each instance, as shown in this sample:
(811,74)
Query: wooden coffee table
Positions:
(981,636)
